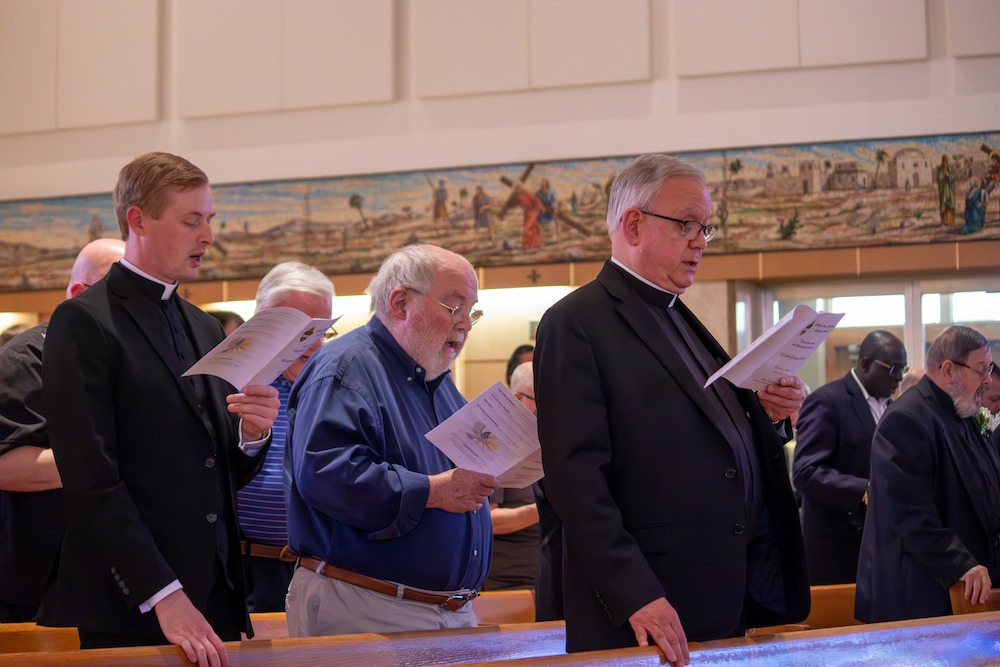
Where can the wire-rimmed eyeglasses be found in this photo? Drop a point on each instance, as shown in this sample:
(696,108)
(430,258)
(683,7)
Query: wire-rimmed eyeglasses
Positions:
(895,370)
(688,227)
(329,335)
(458,313)
(983,374)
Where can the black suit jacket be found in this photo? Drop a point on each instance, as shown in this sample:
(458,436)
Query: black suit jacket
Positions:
(149,474)
(830,471)
(933,508)
(646,484)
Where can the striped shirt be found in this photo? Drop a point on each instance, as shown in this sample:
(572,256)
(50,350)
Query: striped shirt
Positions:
(261,503)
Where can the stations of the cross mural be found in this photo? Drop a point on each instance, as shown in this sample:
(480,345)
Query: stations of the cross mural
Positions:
(838,194)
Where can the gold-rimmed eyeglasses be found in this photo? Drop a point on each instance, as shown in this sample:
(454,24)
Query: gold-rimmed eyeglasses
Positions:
(895,370)
(458,313)
(688,227)
(329,335)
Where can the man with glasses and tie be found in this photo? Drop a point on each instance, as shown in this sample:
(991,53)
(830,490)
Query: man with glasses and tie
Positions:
(390,535)
(679,520)
(832,451)
(934,497)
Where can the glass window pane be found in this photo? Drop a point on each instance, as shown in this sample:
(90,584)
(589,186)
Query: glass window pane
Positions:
(975,306)
(862,314)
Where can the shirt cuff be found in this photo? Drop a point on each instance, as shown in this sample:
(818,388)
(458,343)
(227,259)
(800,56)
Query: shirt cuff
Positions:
(252,447)
(146,606)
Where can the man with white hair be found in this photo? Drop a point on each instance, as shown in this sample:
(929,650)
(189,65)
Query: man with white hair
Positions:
(678,519)
(390,535)
(934,494)
(32,505)
(261,508)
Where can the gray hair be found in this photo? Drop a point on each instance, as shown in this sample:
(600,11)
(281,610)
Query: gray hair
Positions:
(521,380)
(640,182)
(289,277)
(954,343)
(414,267)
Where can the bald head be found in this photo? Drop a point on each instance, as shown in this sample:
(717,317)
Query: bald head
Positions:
(93,263)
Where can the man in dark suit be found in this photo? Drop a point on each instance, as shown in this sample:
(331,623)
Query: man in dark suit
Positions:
(150,461)
(934,497)
(32,506)
(679,521)
(832,450)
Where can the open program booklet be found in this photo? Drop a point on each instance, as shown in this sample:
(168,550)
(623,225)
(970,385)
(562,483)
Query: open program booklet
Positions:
(261,348)
(493,433)
(781,351)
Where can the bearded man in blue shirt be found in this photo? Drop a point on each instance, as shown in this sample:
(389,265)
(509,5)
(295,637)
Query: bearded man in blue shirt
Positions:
(391,536)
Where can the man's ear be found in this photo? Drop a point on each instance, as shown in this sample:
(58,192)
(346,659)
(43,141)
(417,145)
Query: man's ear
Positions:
(134,218)
(399,303)
(76,289)
(630,225)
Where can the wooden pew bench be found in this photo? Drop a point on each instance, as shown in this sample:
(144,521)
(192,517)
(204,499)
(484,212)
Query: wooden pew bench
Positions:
(492,608)
(25,637)
(404,649)
(957,641)
(953,640)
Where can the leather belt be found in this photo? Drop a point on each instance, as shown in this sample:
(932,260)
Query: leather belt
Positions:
(452,602)
(267,551)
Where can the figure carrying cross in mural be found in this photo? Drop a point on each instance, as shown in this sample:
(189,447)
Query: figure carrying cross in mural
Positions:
(535,207)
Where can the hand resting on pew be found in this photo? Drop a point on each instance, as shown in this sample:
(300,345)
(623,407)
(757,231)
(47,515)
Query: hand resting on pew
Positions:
(977,584)
(659,620)
(184,625)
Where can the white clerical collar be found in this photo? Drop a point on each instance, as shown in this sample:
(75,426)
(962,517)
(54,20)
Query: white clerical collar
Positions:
(635,275)
(168,289)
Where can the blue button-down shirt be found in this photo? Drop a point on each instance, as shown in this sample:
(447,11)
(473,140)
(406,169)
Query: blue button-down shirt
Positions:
(357,464)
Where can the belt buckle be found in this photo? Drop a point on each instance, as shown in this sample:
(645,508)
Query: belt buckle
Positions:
(459,598)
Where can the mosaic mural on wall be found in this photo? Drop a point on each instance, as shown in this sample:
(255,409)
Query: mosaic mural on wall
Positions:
(859,193)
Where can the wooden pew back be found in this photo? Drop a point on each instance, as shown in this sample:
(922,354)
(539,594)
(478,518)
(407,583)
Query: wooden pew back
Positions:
(959,605)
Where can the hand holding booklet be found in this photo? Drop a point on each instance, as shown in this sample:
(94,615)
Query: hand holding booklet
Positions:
(493,433)
(781,350)
(261,348)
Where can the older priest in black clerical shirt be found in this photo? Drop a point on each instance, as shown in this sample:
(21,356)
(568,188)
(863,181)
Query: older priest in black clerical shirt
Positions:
(679,521)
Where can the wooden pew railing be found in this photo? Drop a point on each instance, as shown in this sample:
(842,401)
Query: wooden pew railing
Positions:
(959,605)
(954,640)
(403,649)
(832,606)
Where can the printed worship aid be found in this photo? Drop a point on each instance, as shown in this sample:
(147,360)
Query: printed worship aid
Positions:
(262,347)
(781,350)
(493,433)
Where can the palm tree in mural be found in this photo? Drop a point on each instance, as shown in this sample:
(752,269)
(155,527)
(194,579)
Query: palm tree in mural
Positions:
(735,167)
(880,157)
(463,194)
(358,202)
